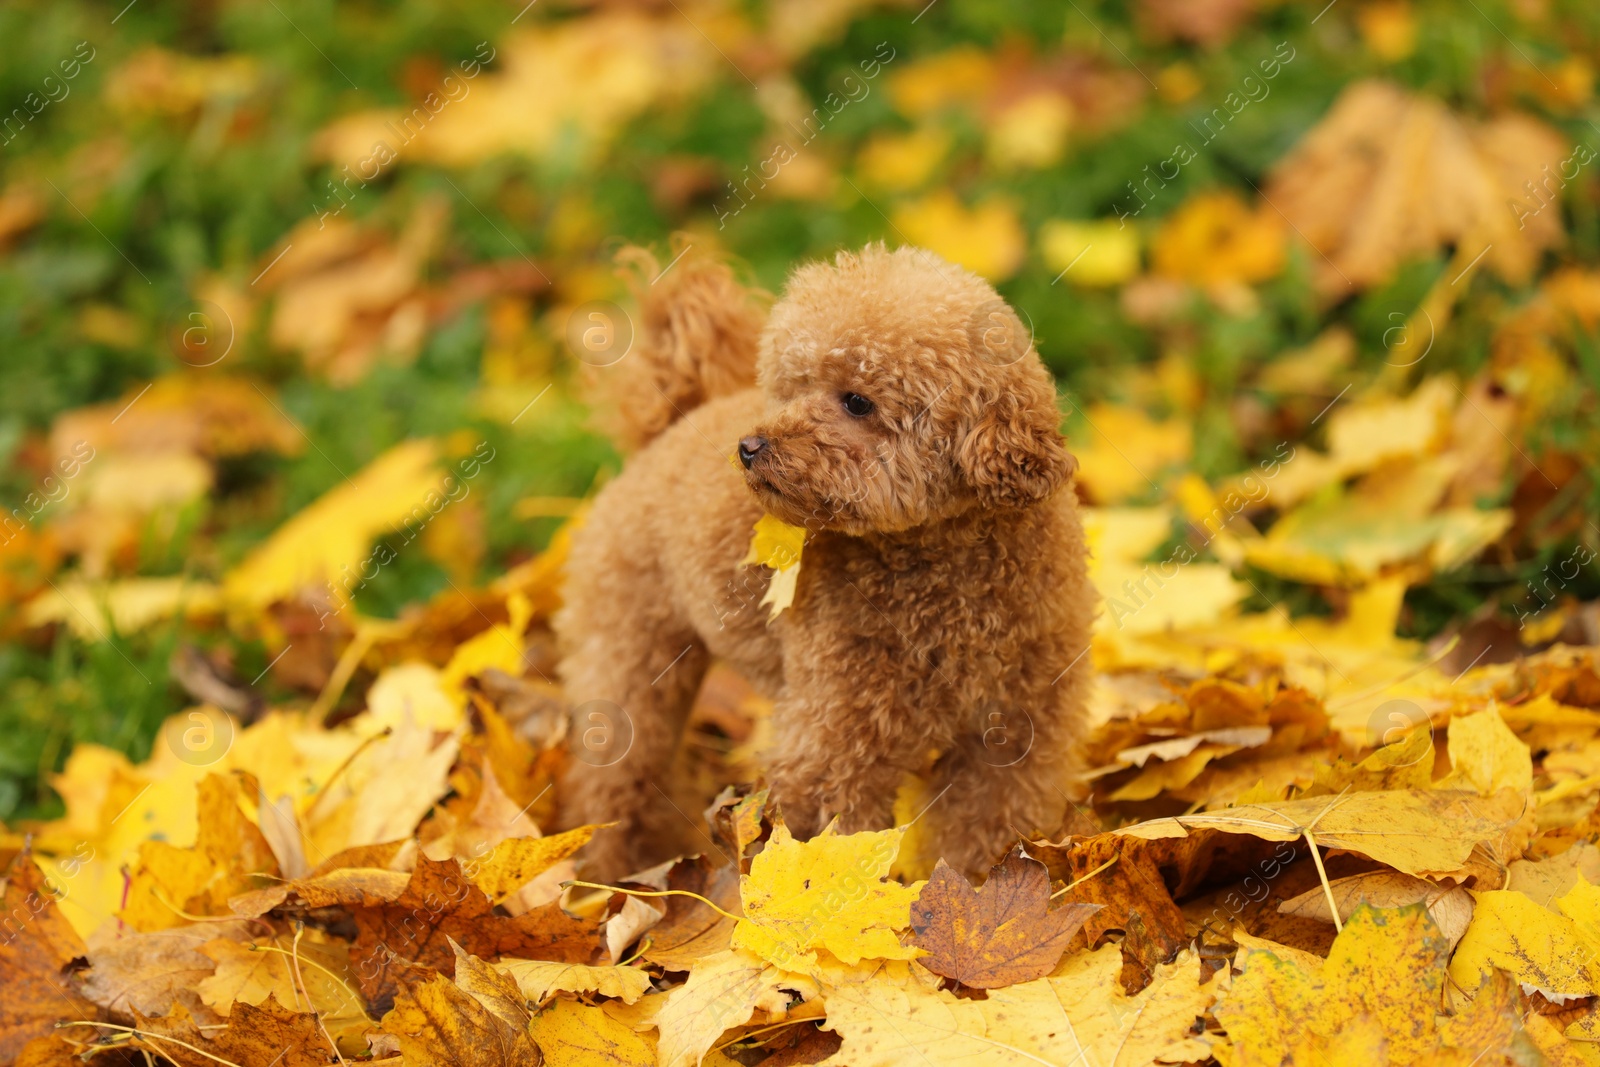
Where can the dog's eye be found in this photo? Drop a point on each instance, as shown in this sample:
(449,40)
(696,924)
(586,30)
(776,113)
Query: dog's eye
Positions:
(857,405)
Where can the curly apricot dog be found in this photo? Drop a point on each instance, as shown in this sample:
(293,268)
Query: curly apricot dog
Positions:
(894,406)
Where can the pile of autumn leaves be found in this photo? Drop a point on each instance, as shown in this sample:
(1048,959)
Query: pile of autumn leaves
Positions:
(1468,917)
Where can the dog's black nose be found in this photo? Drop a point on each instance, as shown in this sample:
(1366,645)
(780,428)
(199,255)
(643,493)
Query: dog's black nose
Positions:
(750,448)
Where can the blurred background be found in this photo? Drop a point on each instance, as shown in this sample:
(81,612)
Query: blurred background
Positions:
(287,294)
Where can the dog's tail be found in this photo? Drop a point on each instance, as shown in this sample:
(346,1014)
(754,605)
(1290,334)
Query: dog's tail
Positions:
(695,331)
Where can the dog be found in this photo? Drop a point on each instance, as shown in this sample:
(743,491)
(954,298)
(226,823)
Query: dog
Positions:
(894,406)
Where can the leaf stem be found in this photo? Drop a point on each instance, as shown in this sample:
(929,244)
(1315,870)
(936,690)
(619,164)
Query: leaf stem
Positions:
(658,893)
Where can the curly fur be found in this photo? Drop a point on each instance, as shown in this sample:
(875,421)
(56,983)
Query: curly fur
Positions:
(943,607)
(696,334)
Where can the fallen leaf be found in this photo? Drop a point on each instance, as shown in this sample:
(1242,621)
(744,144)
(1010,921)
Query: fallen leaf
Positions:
(330,539)
(897,1014)
(691,931)
(36,959)
(802,896)
(723,991)
(1450,907)
(441,908)
(1388,176)
(150,972)
(1547,949)
(578,1035)
(987,239)
(1417,832)
(539,979)
(436,1022)
(1000,934)
(1486,756)
(1378,993)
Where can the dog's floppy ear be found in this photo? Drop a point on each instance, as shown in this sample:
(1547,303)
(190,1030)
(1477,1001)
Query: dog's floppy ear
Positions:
(1014,456)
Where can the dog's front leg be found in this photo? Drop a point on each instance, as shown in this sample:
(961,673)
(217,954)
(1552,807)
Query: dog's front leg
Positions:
(1007,779)
(829,761)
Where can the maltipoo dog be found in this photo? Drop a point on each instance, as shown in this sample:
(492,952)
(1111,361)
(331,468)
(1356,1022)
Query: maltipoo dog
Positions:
(893,406)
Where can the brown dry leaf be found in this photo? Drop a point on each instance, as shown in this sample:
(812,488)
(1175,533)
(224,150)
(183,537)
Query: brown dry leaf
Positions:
(149,973)
(37,956)
(1124,877)
(437,1022)
(1388,176)
(208,416)
(998,935)
(52,1050)
(440,905)
(691,931)
(268,1033)
(491,988)
(347,886)
(344,312)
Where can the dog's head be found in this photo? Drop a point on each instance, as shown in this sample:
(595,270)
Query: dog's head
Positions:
(900,389)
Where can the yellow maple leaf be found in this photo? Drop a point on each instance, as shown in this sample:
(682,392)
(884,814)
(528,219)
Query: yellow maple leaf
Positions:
(1418,831)
(500,646)
(516,861)
(229,856)
(1376,995)
(776,544)
(578,1035)
(250,972)
(328,543)
(1553,950)
(826,893)
(1122,450)
(1485,755)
